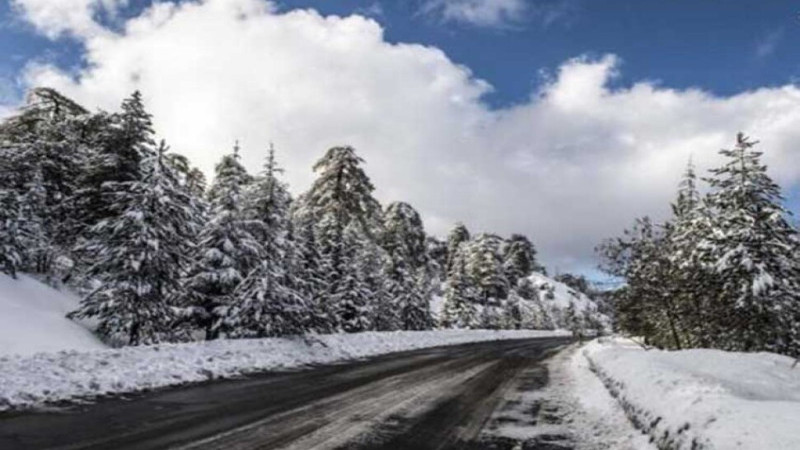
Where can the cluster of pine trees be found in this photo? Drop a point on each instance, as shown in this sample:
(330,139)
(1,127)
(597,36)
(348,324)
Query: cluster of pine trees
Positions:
(723,272)
(91,199)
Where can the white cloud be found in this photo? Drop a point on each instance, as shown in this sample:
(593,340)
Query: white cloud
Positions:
(572,165)
(484,13)
(55,18)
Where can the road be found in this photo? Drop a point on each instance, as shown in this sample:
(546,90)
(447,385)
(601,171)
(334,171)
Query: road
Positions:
(440,398)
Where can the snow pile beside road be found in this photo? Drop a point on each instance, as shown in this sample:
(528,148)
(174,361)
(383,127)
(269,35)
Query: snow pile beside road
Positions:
(32,319)
(703,399)
(28,381)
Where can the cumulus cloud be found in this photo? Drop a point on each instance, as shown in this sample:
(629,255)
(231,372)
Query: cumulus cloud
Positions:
(572,165)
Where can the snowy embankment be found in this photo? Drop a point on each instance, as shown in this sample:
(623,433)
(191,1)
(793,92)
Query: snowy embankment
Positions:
(32,319)
(29,381)
(703,399)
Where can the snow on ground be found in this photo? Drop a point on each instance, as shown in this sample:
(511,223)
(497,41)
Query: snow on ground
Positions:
(703,399)
(32,319)
(30,381)
(573,410)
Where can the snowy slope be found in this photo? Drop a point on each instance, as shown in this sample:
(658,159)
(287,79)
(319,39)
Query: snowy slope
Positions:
(32,319)
(554,296)
(47,377)
(562,295)
(703,399)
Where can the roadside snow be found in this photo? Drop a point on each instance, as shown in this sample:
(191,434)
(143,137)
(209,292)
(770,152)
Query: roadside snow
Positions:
(573,410)
(32,319)
(30,381)
(703,399)
(598,421)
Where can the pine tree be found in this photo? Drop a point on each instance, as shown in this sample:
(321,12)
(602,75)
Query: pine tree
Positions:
(351,297)
(519,258)
(461,297)
(751,249)
(44,148)
(403,239)
(121,142)
(268,303)
(694,288)
(340,200)
(485,267)
(139,255)
(11,233)
(227,249)
(458,236)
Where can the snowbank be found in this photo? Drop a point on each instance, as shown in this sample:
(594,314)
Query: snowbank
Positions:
(32,319)
(28,381)
(703,399)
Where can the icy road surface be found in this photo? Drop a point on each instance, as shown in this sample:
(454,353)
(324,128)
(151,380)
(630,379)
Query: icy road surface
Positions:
(439,398)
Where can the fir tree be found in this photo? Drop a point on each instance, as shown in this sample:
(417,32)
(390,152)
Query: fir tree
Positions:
(403,239)
(519,258)
(139,254)
(485,267)
(11,233)
(268,303)
(227,249)
(122,141)
(458,236)
(751,249)
(340,200)
(461,298)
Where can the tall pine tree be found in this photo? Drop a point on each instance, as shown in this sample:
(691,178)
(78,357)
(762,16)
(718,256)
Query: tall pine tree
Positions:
(228,249)
(139,254)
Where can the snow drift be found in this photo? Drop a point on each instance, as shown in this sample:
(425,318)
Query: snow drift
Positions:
(32,319)
(703,399)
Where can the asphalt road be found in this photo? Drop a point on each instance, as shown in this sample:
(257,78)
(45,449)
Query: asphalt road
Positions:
(440,398)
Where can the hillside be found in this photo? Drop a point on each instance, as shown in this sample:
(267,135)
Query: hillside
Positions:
(32,319)
(550,308)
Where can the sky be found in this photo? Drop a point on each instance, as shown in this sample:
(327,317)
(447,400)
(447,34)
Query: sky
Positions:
(560,119)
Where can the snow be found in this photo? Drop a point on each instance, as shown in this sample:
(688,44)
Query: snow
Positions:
(556,305)
(574,410)
(702,398)
(35,380)
(563,295)
(32,319)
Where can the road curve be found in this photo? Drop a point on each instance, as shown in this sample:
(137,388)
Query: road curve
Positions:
(439,398)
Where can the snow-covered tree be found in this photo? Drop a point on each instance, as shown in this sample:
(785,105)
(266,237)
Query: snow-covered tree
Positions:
(227,249)
(694,289)
(458,236)
(44,147)
(268,302)
(519,258)
(403,238)
(120,143)
(11,233)
(750,246)
(344,213)
(485,268)
(461,297)
(139,254)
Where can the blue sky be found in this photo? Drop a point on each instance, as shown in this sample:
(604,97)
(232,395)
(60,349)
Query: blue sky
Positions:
(582,167)
(720,46)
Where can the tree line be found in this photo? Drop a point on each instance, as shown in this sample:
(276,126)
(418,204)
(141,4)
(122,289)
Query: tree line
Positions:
(723,272)
(93,200)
